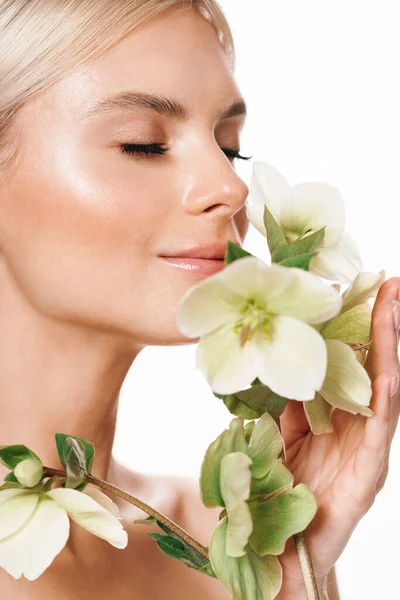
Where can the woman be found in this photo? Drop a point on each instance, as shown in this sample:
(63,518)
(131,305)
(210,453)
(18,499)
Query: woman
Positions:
(85,218)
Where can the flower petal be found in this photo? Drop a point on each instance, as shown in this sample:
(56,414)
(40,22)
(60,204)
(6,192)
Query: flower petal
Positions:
(87,513)
(32,548)
(293,362)
(230,440)
(265,445)
(313,206)
(208,305)
(251,277)
(16,507)
(275,520)
(235,490)
(248,577)
(307,298)
(267,187)
(226,366)
(29,472)
(318,413)
(352,327)
(277,478)
(102,499)
(347,384)
(365,286)
(341,262)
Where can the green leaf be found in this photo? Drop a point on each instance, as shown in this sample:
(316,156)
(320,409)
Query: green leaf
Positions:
(249,577)
(304,245)
(237,407)
(234,252)
(302,261)
(318,413)
(248,430)
(88,446)
(147,521)
(277,519)
(254,402)
(235,490)
(275,235)
(75,462)
(265,445)
(174,547)
(10,456)
(11,477)
(230,440)
(351,327)
(278,480)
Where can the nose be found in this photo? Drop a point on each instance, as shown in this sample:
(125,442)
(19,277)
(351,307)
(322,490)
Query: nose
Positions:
(213,186)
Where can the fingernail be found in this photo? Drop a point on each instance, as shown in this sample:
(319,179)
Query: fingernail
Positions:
(396,313)
(394,384)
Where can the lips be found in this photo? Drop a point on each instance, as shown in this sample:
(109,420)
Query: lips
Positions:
(210,251)
(204,266)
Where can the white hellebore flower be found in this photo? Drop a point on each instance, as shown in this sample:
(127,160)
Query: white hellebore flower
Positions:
(34,526)
(254,321)
(347,385)
(304,209)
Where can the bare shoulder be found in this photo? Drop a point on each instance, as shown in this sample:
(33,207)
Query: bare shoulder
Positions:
(177,497)
(195,518)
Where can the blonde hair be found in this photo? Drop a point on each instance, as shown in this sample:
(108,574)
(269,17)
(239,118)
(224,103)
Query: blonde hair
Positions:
(41,41)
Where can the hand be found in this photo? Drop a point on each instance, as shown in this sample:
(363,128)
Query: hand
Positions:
(345,469)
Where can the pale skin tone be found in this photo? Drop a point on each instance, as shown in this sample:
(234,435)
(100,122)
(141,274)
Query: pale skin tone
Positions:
(84,291)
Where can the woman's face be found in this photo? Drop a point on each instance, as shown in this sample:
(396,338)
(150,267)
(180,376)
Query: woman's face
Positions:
(83,225)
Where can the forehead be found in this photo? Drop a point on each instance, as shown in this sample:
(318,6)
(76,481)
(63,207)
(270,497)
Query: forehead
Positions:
(177,54)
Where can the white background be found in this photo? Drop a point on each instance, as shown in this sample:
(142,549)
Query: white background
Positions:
(321,80)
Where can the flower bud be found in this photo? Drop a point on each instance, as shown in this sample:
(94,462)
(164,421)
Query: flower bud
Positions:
(29,472)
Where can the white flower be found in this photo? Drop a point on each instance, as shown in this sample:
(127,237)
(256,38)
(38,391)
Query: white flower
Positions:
(301,210)
(347,384)
(34,525)
(255,320)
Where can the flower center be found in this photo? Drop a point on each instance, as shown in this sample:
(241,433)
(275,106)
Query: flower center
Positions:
(292,235)
(254,316)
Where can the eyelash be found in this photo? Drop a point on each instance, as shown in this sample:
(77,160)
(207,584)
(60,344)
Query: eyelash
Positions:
(146,150)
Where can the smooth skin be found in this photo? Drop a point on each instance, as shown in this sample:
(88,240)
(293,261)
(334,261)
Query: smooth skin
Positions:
(83,291)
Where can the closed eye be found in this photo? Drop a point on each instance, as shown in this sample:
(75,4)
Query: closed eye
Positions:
(145,150)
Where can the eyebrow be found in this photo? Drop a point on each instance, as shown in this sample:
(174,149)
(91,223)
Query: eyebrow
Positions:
(161,104)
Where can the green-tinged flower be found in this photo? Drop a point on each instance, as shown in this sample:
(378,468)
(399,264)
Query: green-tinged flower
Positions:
(242,473)
(34,525)
(347,384)
(302,210)
(254,321)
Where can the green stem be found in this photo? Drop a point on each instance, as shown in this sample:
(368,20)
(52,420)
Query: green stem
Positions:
(181,533)
(303,553)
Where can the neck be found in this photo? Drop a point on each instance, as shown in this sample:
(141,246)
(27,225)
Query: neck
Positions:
(56,376)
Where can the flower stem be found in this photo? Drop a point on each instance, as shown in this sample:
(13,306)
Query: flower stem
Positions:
(303,553)
(306,566)
(181,533)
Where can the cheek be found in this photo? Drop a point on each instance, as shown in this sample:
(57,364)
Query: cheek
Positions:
(78,227)
(242,222)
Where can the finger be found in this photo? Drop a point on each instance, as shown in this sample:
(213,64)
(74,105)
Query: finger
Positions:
(294,424)
(383,353)
(371,453)
(383,356)
(394,420)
